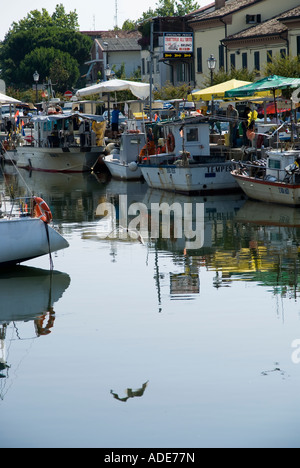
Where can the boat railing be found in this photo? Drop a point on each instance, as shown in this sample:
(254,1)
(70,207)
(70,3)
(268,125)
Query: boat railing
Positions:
(15,207)
(258,170)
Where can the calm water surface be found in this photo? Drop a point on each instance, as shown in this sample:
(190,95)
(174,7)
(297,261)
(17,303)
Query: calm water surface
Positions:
(142,343)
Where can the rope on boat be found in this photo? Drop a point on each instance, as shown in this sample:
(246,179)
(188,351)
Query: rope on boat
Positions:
(31,195)
(48,239)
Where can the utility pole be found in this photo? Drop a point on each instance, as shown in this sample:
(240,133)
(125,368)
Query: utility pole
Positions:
(116,14)
(151,70)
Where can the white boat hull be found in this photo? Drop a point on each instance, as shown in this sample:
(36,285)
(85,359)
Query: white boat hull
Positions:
(70,159)
(25,238)
(38,289)
(268,191)
(196,178)
(121,171)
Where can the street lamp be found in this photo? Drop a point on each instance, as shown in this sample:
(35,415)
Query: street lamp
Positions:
(108,74)
(211,63)
(36,78)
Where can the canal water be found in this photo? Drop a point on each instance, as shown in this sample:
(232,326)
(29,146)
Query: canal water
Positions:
(135,340)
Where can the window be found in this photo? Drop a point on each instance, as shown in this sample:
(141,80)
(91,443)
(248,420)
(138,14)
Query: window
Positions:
(256,61)
(274,164)
(192,134)
(298,45)
(269,56)
(180,72)
(244,60)
(221,56)
(253,19)
(232,60)
(282,53)
(199,60)
(157,66)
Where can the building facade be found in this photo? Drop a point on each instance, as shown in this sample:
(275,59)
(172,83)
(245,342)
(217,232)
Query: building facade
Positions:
(113,49)
(243,34)
(238,33)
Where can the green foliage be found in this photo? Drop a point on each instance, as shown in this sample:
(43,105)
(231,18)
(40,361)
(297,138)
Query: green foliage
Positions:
(42,19)
(26,48)
(238,74)
(175,8)
(288,66)
(129,25)
(186,6)
(165,8)
(169,91)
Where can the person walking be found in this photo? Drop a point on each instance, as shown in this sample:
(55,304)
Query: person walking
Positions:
(233,117)
(115,121)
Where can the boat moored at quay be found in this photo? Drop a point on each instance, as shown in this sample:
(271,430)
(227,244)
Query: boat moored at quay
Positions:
(60,143)
(273,180)
(189,165)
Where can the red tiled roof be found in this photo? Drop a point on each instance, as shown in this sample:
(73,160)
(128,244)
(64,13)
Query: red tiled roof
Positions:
(230,7)
(272,26)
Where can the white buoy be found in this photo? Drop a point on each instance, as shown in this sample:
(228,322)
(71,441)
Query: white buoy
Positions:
(133,166)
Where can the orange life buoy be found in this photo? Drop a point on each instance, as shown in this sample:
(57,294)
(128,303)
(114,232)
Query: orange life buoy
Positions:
(170,142)
(42,210)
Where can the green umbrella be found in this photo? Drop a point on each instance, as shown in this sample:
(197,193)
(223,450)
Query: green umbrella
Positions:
(270,83)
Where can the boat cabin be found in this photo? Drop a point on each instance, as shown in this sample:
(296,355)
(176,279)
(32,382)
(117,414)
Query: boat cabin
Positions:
(279,163)
(130,147)
(65,130)
(188,135)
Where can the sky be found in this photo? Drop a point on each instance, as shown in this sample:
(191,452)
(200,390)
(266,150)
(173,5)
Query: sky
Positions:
(98,15)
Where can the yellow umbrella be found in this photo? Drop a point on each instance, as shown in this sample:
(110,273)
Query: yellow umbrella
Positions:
(216,91)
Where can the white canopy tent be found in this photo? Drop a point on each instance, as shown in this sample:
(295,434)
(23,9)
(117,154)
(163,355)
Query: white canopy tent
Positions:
(140,90)
(8,100)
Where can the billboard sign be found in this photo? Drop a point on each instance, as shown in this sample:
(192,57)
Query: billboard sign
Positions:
(178,45)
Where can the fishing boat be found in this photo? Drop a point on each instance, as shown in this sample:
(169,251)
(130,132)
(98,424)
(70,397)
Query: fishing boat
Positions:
(26,232)
(59,143)
(186,164)
(122,157)
(275,179)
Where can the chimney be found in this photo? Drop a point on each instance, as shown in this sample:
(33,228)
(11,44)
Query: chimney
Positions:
(219,4)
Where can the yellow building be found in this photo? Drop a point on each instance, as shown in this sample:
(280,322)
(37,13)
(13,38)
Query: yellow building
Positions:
(243,34)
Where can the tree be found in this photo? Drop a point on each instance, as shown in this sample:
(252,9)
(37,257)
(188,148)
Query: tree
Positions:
(238,74)
(52,63)
(129,25)
(167,8)
(283,65)
(27,42)
(42,19)
(169,91)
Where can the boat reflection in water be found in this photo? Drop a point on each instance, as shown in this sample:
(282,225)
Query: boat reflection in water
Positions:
(124,204)
(71,197)
(242,240)
(269,246)
(28,295)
